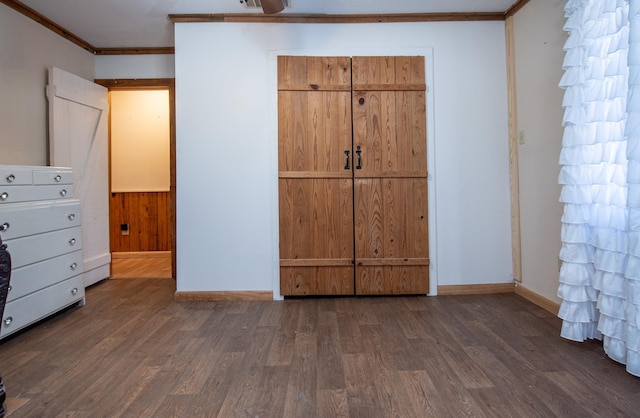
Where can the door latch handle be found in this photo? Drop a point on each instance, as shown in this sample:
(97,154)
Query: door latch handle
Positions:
(346,163)
(359,154)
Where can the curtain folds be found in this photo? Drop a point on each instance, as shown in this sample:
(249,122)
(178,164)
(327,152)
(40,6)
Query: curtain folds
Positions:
(600,177)
(632,273)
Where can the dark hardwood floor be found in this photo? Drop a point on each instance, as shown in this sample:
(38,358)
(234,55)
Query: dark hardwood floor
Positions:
(134,352)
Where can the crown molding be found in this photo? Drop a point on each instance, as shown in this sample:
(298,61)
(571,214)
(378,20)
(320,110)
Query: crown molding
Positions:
(135,51)
(335,18)
(49,24)
(514,9)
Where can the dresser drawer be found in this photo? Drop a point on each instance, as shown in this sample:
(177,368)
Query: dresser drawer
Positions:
(28,250)
(37,305)
(24,219)
(25,174)
(53,176)
(17,194)
(28,279)
(16,175)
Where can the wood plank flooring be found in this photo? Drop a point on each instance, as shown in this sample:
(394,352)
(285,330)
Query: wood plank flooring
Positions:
(150,264)
(134,352)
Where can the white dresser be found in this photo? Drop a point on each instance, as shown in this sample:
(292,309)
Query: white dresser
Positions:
(41,224)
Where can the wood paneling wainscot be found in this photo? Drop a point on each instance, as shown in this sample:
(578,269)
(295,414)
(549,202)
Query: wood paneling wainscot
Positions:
(148,215)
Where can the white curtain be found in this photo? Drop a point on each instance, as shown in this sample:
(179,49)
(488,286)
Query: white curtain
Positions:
(600,178)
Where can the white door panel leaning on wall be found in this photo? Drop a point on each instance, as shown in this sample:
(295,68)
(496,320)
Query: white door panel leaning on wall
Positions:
(78,138)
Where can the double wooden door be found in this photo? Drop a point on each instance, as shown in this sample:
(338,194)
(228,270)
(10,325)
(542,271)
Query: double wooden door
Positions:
(352,176)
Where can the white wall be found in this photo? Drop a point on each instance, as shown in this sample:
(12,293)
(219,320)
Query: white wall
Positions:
(135,66)
(140,143)
(27,49)
(227,231)
(539,39)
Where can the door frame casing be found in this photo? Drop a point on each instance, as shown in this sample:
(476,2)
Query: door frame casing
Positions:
(155,84)
(427,53)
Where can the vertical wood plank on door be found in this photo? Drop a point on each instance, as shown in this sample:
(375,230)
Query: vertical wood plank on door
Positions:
(316,236)
(318,222)
(391,236)
(78,138)
(315,190)
(316,129)
(391,218)
(391,228)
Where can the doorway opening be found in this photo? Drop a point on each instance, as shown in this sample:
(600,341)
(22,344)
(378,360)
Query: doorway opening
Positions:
(142,177)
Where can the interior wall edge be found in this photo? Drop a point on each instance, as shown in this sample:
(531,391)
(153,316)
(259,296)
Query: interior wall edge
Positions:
(539,300)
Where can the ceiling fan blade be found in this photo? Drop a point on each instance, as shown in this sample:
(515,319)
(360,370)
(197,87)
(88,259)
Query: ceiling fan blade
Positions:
(272,6)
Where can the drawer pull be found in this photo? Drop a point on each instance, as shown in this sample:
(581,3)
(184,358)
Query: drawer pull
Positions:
(72,241)
(4,226)
(58,178)
(74,291)
(72,216)
(9,288)
(4,196)
(74,266)
(8,320)
(11,178)
(63,192)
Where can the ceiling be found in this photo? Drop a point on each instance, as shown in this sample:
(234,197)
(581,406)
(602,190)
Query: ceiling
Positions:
(145,23)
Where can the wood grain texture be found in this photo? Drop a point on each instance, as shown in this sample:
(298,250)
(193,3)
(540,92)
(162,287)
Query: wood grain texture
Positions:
(134,351)
(163,50)
(301,262)
(390,126)
(137,83)
(475,289)
(316,219)
(391,224)
(204,296)
(314,131)
(148,215)
(316,280)
(382,134)
(314,73)
(388,70)
(147,264)
(514,170)
(391,218)
(315,189)
(392,280)
(334,18)
(141,255)
(515,8)
(389,130)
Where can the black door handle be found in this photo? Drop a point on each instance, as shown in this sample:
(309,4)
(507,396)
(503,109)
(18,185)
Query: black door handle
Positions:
(346,163)
(359,153)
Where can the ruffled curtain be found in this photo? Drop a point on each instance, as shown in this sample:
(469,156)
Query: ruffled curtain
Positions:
(600,178)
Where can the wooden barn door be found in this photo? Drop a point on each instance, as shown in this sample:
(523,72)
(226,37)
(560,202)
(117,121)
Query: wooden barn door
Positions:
(389,131)
(352,176)
(315,178)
